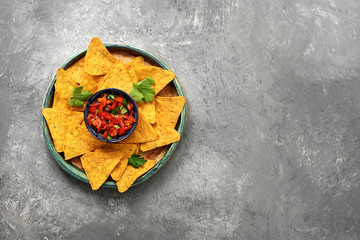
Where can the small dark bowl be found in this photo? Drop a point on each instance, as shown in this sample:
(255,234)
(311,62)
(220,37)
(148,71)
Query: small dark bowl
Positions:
(128,98)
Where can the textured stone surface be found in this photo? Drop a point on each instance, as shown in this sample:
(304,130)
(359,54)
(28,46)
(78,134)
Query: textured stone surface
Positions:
(272,144)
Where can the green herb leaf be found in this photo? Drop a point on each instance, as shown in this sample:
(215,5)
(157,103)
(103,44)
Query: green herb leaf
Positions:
(72,102)
(138,97)
(115,110)
(97,110)
(123,110)
(116,126)
(77,97)
(142,91)
(136,160)
(108,137)
(110,96)
(124,102)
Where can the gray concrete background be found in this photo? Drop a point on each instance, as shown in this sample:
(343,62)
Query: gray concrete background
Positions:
(272,144)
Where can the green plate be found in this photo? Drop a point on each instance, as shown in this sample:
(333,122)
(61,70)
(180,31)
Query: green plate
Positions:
(71,169)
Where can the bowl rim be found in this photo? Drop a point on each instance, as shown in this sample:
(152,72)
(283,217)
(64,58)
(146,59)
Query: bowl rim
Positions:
(125,95)
(74,171)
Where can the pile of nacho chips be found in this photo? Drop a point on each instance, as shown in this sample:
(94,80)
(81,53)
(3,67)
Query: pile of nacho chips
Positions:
(101,161)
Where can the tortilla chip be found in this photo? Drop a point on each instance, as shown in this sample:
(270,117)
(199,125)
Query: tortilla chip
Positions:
(161,76)
(167,135)
(132,75)
(127,151)
(138,61)
(137,150)
(63,87)
(131,174)
(99,79)
(148,109)
(77,73)
(168,110)
(56,120)
(117,77)
(79,140)
(143,132)
(98,60)
(98,166)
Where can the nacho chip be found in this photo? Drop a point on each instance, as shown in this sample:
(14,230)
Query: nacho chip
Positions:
(79,140)
(117,77)
(77,73)
(148,109)
(126,149)
(98,166)
(167,135)
(98,60)
(138,61)
(131,174)
(143,132)
(168,110)
(56,120)
(63,88)
(132,75)
(161,76)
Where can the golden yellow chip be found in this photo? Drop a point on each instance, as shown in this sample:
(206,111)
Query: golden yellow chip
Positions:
(161,76)
(126,149)
(138,61)
(77,73)
(79,140)
(132,76)
(148,109)
(168,110)
(143,132)
(98,60)
(63,88)
(167,135)
(98,166)
(131,174)
(117,77)
(56,120)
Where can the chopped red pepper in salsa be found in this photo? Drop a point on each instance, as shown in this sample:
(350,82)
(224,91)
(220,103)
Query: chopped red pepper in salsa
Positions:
(111,115)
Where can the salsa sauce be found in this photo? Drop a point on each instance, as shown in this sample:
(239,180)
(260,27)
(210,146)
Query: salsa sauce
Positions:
(111,115)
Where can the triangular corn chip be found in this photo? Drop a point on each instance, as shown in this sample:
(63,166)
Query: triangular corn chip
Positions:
(98,60)
(117,77)
(56,120)
(161,76)
(138,61)
(131,174)
(168,110)
(148,109)
(167,135)
(126,150)
(63,87)
(78,74)
(79,140)
(98,166)
(143,132)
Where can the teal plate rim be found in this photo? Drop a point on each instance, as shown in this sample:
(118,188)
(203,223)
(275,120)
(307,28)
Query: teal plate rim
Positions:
(77,173)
